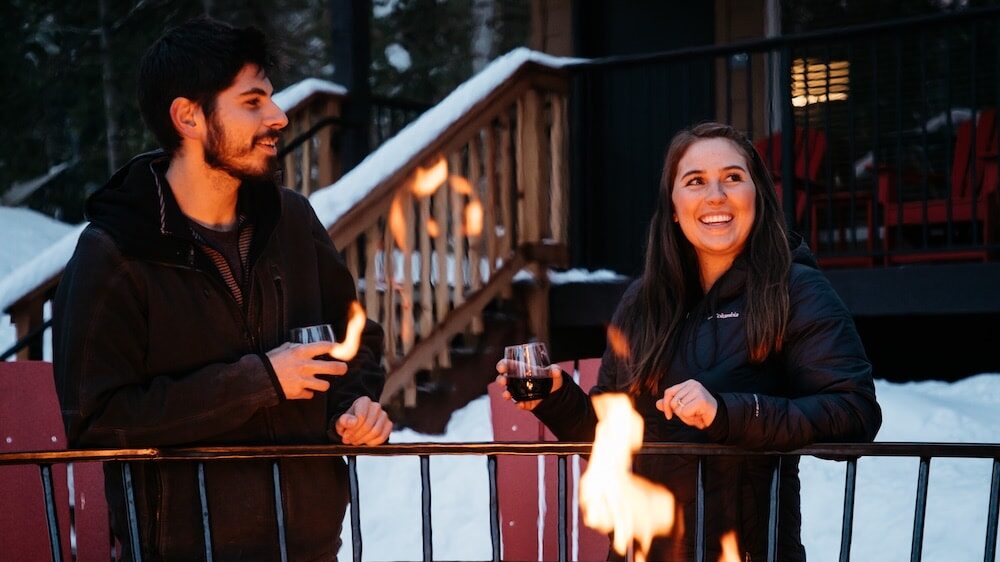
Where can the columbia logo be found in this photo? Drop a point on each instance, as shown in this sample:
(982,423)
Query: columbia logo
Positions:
(727,315)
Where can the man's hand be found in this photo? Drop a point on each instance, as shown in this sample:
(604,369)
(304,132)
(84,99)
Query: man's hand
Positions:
(364,423)
(297,370)
(691,402)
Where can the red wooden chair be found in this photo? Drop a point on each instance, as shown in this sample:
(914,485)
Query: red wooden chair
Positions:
(810,148)
(527,486)
(972,196)
(30,421)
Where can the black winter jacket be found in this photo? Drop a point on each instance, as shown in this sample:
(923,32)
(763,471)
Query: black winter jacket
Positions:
(152,350)
(818,389)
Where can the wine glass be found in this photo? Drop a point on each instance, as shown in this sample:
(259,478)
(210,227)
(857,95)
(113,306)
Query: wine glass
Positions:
(528,374)
(310,334)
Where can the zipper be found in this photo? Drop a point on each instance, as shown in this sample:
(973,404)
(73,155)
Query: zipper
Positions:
(279,304)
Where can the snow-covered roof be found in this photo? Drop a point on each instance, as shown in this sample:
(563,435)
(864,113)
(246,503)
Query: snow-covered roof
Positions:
(26,233)
(40,269)
(299,92)
(331,204)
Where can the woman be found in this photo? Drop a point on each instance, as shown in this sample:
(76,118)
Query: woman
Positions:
(734,337)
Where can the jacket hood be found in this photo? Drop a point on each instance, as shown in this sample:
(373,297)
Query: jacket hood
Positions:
(733,281)
(138,209)
(801,254)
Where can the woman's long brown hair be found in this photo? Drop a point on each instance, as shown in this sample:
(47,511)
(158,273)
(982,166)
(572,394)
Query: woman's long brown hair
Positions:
(670,285)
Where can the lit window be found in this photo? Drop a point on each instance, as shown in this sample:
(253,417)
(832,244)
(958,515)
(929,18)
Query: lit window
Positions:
(815,81)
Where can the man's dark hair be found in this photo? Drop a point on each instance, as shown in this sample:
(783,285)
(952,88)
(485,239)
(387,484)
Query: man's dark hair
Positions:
(195,60)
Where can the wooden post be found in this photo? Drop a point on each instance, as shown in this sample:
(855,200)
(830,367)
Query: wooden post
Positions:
(533,167)
(475,239)
(327,162)
(560,169)
(441,251)
(520,171)
(406,289)
(426,323)
(538,302)
(289,172)
(389,297)
(457,237)
(27,316)
(506,194)
(351,257)
(306,165)
(489,212)
(372,300)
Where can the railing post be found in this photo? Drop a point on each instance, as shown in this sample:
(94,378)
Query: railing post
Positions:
(205,524)
(992,514)
(130,514)
(279,510)
(847,526)
(561,506)
(352,477)
(772,519)
(920,510)
(491,467)
(425,504)
(699,507)
(787,138)
(27,318)
(50,512)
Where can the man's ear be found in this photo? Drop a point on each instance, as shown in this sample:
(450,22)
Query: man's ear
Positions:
(188,118)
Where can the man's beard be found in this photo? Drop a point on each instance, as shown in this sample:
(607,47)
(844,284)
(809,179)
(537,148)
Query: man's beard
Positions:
(223,154)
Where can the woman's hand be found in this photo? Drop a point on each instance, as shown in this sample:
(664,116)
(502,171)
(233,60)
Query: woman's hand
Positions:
(689,401)
(527,404)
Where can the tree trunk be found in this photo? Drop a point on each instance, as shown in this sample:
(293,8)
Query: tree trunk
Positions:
(110,97)
(483,33)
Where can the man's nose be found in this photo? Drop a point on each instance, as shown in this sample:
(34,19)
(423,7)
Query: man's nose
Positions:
(276,118)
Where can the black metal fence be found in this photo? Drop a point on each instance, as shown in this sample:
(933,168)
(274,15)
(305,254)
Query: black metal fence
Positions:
(846,452)
(893,158)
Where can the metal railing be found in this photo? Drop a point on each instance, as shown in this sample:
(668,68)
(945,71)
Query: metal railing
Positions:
(845,452)
(877,109)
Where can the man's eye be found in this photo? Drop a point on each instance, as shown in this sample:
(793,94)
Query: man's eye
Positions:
(253,103)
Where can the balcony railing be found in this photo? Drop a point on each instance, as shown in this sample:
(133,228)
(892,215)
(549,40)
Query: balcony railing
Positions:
(845,452)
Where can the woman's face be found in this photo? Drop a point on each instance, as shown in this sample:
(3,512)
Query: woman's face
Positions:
(714,200)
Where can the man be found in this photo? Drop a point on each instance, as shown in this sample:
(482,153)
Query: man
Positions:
(172,316)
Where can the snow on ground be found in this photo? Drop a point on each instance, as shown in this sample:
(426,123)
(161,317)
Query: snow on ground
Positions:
(391,500)
(965,411)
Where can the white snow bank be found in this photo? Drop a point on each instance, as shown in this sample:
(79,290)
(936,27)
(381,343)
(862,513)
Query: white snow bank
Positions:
(967,411)
(331,204)
(572,276)
(299,92)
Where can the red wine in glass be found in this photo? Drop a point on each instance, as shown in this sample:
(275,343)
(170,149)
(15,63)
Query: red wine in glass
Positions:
(528,373)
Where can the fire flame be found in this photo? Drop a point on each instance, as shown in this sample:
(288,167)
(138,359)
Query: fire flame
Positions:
(432,228)
(474,218)
(397,223)
(460,184)
(427,180)
(614,499)
(618,342)
(347,349)
(730,548)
